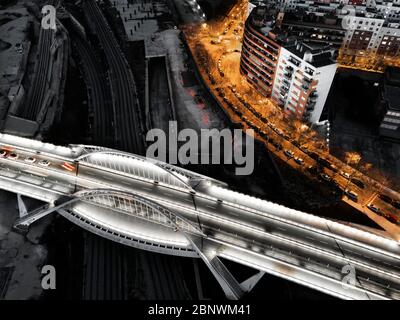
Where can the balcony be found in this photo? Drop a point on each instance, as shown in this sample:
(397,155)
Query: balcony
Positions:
(284,89)
(288,75)
(310,108)
(307,116)
(306,80)
(313,96)
(289,69)
(310,105)
(296,63)
(305,86)
(309,71)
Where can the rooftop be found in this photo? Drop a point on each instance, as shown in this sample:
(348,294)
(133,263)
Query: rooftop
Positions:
(263,19)
(316,55)
(312,20)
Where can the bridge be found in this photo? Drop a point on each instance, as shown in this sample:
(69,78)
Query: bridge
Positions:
(151,205)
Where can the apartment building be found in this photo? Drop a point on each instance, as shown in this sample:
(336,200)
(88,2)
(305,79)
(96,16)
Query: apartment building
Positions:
(303,79)
(356,26)
(260,49)
(296,75)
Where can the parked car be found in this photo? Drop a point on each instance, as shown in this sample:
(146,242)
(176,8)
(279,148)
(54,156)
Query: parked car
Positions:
(345,174)
(351,194)
(358,183)
(373,208)
(289,153)
(299,160)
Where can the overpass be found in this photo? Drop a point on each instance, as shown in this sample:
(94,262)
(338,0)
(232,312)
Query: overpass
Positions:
(158,207)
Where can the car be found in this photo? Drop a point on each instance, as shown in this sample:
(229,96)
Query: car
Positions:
(325,177)
(351,194)
(13,156)
(304,149)
(324,162)
(396,204)
(358,183)
(312,170)
(336,185)
(289,153)
(67,166)
(345,174)
(391,218)
(296,143)
(44,163)
(30,159)
(264,135)
(373,208)
(385,198)
(314,155)
(333,168)
(299,160)
(3,153)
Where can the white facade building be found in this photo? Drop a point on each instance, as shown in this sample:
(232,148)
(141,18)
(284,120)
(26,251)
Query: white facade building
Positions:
(303,79)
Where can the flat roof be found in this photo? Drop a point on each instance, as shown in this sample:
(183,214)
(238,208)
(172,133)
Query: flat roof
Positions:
(321,54)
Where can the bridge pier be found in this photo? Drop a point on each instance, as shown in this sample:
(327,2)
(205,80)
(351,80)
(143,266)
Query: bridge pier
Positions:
(27,218)
(232,288)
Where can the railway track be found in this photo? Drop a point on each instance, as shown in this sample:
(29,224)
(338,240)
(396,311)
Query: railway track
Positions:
(98,92)
(38,88)
(104,274)
(127,122)
(163,278)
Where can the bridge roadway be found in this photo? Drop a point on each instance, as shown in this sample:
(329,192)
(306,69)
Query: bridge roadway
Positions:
(154,206)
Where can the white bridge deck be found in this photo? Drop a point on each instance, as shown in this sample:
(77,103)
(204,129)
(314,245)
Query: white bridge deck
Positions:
(155,206)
